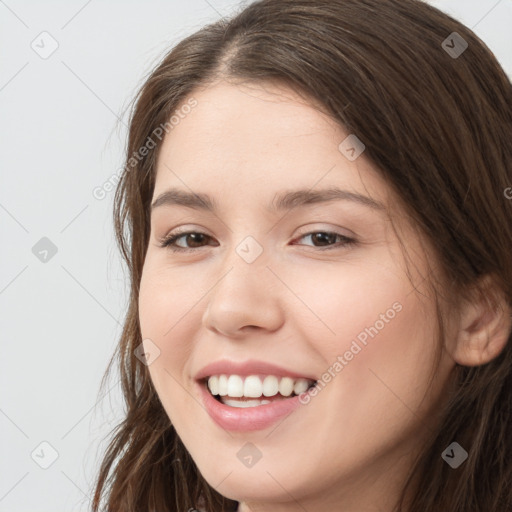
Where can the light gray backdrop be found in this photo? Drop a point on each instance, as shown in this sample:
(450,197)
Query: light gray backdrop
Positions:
(67,72)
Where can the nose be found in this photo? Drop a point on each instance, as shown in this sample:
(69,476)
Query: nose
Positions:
(247,297)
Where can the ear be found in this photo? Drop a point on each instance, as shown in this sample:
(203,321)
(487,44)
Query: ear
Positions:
(484,326)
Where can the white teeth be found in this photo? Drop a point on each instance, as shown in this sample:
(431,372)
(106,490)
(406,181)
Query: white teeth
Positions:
(213,385)
(244,403)
(253,386)
(270,385)
(300,386)
(223,385)
(286,386)
(235,386)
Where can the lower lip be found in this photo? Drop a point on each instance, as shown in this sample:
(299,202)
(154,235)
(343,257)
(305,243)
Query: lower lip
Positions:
(247,418)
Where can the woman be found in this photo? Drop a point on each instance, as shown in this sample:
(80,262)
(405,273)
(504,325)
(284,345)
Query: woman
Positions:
(315,218)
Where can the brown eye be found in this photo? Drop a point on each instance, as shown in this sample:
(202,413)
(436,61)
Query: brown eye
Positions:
(328,239)
(192,240)
(323,238)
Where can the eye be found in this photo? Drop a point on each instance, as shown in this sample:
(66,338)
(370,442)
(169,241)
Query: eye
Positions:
(328,239)
(194,238)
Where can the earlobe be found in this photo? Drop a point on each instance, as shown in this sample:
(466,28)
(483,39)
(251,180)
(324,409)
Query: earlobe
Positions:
(484,327)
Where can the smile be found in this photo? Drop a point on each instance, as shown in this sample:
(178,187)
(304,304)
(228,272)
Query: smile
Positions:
(243,392)
(250,395)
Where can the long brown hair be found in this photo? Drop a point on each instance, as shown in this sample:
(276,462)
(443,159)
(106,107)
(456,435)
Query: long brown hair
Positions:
(437,126)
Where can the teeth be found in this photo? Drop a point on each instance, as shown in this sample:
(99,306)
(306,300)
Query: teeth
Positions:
(244,403)
(223,385)
(270,385)
(253,386)
(286,386)
(213,385)
(300,386)
(235,386)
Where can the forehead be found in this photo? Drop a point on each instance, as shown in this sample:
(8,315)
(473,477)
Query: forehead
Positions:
(239,118)
(256,137)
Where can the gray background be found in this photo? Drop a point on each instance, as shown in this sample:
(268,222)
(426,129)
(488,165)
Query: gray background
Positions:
(62,130)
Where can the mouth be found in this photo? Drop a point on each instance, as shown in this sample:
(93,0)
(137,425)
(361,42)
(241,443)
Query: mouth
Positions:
(254,390)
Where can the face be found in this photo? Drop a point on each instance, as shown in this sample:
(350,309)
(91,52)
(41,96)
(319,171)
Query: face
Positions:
(292,296)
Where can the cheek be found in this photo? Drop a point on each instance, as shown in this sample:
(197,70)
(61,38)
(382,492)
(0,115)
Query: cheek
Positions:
(166,297)
(384,381)
(351,301)
(374,331)
(166,302)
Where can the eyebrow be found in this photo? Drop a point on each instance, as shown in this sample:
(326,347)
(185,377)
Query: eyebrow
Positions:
(283,201)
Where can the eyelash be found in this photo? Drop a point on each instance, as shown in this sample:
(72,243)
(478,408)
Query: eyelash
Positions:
(169,240)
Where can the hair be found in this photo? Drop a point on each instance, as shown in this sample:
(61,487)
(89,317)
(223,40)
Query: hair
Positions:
(437,128)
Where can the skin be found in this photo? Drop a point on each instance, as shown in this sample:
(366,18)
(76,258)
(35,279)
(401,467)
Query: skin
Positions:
(298,305)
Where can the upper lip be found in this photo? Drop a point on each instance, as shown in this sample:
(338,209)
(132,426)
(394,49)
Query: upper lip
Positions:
(248,367)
